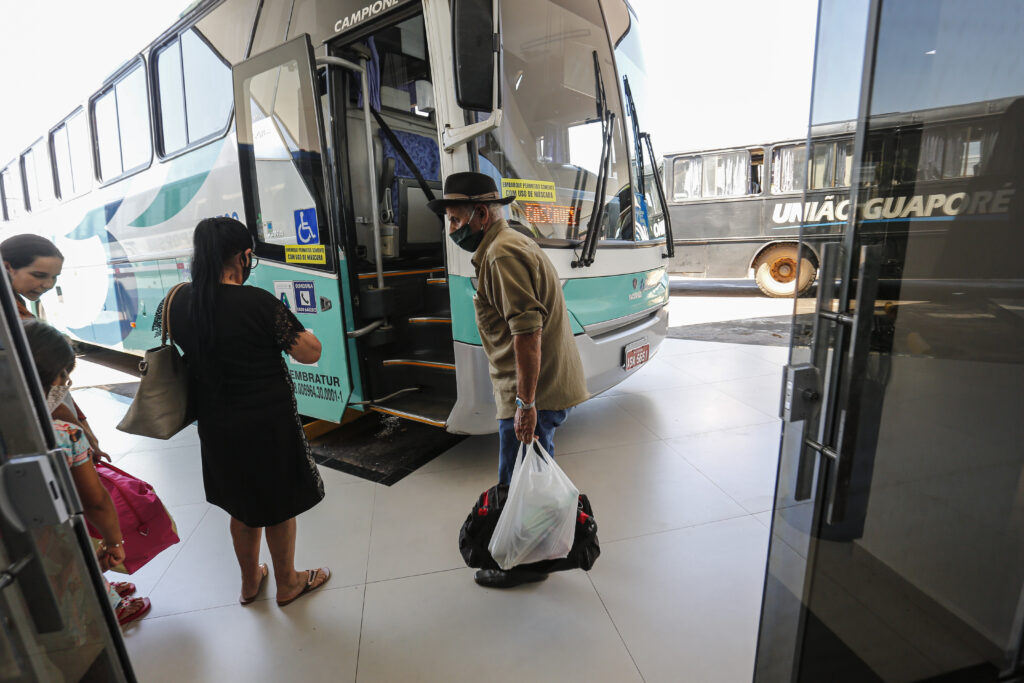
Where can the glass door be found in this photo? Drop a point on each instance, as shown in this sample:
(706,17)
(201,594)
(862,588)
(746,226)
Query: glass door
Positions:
(288,210)
(56,623)
(897,544)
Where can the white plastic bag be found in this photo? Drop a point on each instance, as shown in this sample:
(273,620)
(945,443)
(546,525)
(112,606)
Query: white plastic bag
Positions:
(538,521)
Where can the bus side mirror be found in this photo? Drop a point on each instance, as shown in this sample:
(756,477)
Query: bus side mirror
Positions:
(476,48)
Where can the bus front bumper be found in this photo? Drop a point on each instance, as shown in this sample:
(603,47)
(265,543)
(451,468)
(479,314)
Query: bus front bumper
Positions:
(474,411)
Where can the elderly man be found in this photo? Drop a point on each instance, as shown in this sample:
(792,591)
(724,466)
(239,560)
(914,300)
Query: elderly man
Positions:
(536,370)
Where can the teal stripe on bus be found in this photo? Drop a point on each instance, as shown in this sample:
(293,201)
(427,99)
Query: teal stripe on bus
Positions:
(187,175)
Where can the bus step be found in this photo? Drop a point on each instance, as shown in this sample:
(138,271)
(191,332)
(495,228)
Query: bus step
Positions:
(424,408)
(420,363)
(436,297)
(431,320)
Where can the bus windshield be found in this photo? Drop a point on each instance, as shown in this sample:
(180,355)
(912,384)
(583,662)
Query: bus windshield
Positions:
(649,221)
(548,148)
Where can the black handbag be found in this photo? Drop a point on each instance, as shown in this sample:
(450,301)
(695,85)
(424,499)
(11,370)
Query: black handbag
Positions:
(161,406)
(476,532)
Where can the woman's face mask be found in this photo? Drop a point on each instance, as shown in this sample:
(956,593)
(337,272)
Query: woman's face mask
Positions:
(246,266)
(56,395)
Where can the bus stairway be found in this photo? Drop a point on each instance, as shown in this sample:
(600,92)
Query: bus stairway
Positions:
(415,374)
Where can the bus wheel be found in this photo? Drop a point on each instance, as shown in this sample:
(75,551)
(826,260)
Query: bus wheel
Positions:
(775,271)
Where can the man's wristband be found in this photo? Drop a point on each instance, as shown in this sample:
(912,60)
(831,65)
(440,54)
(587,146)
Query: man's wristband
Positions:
(520,403)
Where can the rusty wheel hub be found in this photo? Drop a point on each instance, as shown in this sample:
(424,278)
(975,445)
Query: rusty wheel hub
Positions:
(783,269)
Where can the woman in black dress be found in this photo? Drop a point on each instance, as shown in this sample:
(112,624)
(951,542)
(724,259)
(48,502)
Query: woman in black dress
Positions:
(256,462)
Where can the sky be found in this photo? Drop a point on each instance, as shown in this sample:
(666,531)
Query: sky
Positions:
(728,72)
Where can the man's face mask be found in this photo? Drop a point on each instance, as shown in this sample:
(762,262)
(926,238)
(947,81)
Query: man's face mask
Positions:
(465,237)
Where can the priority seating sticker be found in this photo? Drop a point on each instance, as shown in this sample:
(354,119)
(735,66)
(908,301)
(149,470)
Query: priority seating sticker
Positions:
(305,254)
(528,190)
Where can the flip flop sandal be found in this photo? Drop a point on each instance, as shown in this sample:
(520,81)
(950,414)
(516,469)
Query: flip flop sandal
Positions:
(123,588)
(310,578)
(126,615)
(242,600)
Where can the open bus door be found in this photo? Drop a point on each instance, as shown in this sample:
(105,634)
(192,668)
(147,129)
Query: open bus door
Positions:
(280,148)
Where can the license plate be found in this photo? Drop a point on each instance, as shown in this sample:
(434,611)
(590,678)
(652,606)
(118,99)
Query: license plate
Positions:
(636,354)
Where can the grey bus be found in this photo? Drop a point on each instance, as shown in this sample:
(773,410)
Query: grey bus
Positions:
(737,212)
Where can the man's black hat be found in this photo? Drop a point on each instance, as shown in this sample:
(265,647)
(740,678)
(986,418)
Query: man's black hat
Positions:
(468,187)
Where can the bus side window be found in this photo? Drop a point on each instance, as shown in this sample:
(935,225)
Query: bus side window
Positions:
(844,163)
(908,153)
(194,89)
(686,178)
(789,167)
(10,189)
(820,167)
(121,116)
(756,171)
(726,174)
(72,154)
(36,170)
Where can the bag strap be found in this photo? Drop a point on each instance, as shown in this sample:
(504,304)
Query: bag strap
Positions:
(114,484)
(165,321)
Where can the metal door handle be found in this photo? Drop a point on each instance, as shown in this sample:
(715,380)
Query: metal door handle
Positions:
(830,259)
(8,575)
(852,385)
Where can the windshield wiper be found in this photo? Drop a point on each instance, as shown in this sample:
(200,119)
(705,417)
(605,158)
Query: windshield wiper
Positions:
(607,117)
(639,151)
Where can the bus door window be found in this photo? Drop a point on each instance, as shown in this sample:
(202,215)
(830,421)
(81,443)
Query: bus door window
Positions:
(402,92)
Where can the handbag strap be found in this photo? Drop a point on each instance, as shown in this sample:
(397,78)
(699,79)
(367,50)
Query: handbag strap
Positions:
(113,483)
(165,321)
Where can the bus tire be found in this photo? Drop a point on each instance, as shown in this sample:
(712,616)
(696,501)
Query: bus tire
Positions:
(775,271)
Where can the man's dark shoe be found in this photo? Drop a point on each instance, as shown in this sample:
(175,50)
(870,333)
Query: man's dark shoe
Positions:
(499,578)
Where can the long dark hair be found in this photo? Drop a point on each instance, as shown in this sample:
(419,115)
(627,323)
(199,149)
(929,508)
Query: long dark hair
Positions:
(22,250)
(51,351)
(215,242)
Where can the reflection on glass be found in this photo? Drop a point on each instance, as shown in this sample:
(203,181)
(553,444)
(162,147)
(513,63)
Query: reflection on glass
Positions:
(133,118)
(172,103)
(207,87)
(108,144)
(279,141)
(921,573)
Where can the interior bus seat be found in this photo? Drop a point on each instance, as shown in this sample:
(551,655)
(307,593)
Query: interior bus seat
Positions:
(423,152)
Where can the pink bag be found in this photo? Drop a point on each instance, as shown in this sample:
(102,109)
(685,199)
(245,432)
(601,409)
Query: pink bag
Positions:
(146,525)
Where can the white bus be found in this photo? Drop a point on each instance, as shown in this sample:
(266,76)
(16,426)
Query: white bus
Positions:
(325,125)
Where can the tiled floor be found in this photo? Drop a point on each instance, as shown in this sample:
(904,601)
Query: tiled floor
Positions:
(679,462)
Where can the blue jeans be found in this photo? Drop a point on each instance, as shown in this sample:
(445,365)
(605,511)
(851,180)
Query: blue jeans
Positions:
(508,448)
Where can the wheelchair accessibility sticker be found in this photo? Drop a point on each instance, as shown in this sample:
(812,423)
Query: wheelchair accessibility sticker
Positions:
(306,231)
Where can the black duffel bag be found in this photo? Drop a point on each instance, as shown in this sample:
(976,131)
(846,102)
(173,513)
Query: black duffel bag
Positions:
(478,528)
